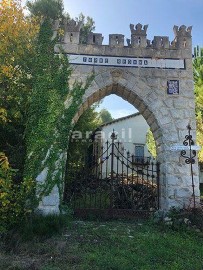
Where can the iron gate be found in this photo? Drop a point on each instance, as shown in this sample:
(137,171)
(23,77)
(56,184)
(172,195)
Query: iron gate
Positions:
(112,182)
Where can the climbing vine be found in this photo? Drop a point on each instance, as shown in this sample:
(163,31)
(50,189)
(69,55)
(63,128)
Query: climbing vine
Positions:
(53,104)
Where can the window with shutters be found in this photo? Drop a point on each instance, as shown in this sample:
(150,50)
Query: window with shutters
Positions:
(139,154)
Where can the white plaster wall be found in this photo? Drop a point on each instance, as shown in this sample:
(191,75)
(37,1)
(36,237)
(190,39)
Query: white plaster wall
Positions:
(130,131)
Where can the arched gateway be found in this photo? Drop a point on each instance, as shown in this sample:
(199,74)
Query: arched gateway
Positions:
(156,77)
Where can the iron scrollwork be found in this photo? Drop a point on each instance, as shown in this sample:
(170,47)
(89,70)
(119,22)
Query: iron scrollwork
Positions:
(189,142)
(191,158)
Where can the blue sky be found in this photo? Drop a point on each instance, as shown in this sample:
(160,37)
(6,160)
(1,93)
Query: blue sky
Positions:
(115,16)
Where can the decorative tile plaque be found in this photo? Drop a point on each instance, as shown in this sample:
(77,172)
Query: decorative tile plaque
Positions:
(173,87)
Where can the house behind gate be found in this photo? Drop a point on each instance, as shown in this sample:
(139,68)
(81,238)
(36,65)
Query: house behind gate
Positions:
(130,141)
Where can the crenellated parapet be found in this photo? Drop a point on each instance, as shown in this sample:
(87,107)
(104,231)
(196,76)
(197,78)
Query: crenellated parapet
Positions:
(71,31)
(138,35)
(95,39)
(160,42)
(138,40)
(182,37)
(116,40)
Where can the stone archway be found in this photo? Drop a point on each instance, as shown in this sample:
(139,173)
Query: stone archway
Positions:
(157,79)
(142,93)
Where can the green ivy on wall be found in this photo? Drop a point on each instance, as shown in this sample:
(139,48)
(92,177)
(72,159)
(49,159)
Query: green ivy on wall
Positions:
(52,107)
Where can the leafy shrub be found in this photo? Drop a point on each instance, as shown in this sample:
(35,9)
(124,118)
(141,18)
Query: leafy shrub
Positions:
(35,227)
(17,204)
(188,217)
(15,198)
(44,226)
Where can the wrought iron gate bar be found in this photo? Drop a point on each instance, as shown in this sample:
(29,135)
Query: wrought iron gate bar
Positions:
(190,159)
(114,181)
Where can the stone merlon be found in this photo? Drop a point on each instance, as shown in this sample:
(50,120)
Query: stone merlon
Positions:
(137,45)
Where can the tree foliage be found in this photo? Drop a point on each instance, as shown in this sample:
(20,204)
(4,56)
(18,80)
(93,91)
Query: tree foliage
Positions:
(46,8)
(17,34)
(80,140)
(198,77)
(89,121)
(105,116)
(88,26)
(54,9)
(151,143)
